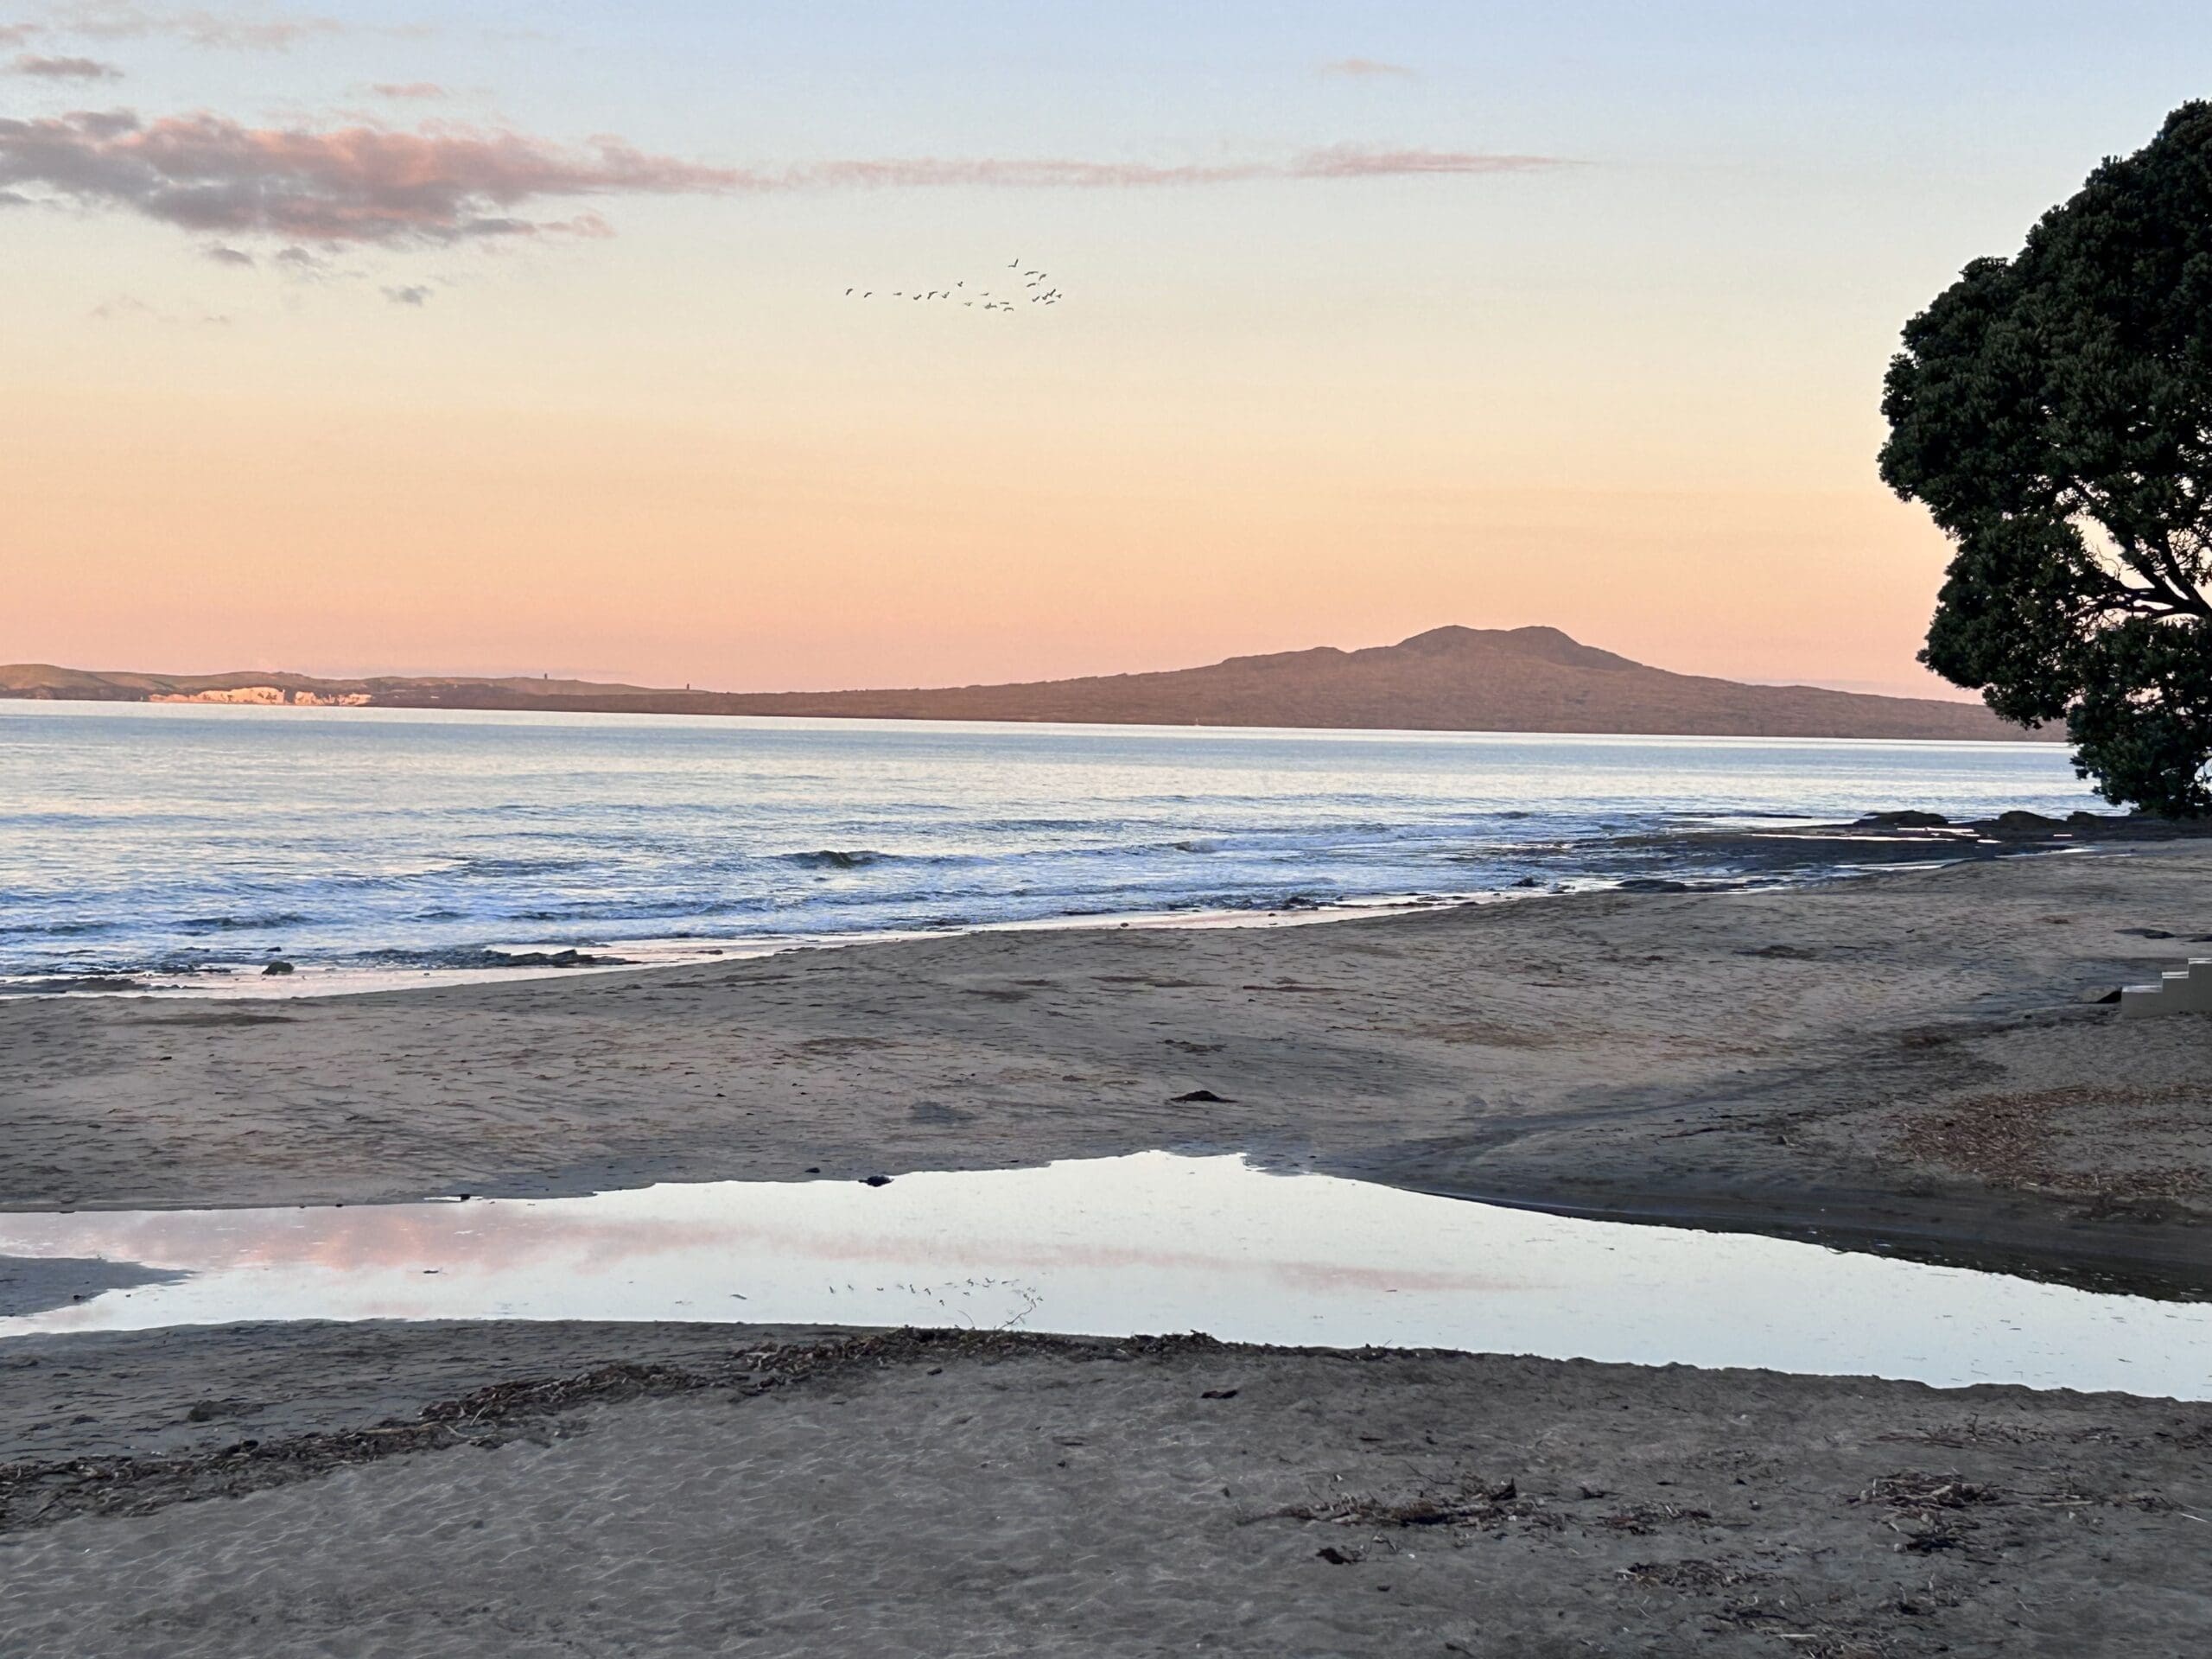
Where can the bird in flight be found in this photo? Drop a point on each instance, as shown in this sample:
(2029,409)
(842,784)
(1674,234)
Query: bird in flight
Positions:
(1034,289)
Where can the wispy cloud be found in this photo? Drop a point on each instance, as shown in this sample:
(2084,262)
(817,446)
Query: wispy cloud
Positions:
(415,294)
(19,34)
(1344,162)
(444,184)
(222,256)
(63,69)
(127,307)
(416,92)
(357,184)
(253,31)
(1369,69)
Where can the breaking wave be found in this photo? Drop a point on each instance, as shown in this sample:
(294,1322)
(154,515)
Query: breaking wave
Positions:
(465,843)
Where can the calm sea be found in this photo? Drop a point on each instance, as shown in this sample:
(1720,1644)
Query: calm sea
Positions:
(197,843)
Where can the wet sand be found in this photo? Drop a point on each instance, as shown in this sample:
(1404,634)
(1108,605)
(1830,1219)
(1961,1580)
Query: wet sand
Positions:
(668,1489)
(1908,1061)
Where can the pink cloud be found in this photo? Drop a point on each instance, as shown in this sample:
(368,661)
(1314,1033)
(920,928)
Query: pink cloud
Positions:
(445,184)
(65,68)
(1344,162)
(357,184)
(128,19)
(1367,69)
(126,306)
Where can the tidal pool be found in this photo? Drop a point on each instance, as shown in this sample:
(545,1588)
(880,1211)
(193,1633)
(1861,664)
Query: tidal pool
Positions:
(1153,1242)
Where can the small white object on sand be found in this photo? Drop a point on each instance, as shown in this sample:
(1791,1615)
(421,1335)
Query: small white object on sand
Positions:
(2179,990)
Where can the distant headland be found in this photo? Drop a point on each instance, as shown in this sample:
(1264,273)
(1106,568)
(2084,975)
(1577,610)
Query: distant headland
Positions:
(1534,679)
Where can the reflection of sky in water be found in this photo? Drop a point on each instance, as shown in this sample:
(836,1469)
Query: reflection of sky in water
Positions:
(1153,1242)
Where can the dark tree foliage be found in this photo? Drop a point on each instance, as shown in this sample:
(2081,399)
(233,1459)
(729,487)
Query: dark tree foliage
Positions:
(2054,412)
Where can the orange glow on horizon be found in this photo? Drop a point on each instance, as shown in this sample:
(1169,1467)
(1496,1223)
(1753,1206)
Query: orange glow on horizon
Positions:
(504,543)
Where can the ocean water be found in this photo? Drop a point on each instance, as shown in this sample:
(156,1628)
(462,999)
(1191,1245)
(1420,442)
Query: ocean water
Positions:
(191,844)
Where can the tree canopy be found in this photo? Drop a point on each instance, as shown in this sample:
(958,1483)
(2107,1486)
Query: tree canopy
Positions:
(2053,413)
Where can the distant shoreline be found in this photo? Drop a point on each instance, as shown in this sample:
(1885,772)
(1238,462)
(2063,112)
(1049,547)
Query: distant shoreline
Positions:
(1522,680)
(2008,736)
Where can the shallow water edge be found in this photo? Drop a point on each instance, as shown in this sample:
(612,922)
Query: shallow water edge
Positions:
(1116,1247)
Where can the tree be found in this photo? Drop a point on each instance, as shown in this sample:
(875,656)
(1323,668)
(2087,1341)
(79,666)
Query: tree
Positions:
(2053,413)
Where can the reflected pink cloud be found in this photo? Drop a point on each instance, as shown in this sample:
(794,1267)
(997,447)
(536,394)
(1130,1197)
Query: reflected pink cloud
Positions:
(489,1239)
(1112,1247)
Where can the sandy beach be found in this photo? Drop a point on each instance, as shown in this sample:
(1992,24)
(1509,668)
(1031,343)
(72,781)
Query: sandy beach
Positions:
(1916,1059)
(1915,1062)
(467,1489)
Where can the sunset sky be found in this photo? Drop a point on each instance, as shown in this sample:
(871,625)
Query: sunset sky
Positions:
(409,337)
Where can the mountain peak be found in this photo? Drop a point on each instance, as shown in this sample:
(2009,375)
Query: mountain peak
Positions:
(1541,643)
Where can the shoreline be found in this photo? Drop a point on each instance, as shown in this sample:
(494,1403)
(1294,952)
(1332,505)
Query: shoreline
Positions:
(1561,1053)
(2150,1256)
(676,952)
(1752,854)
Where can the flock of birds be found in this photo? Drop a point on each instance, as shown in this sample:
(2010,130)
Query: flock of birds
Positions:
(1033,292)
